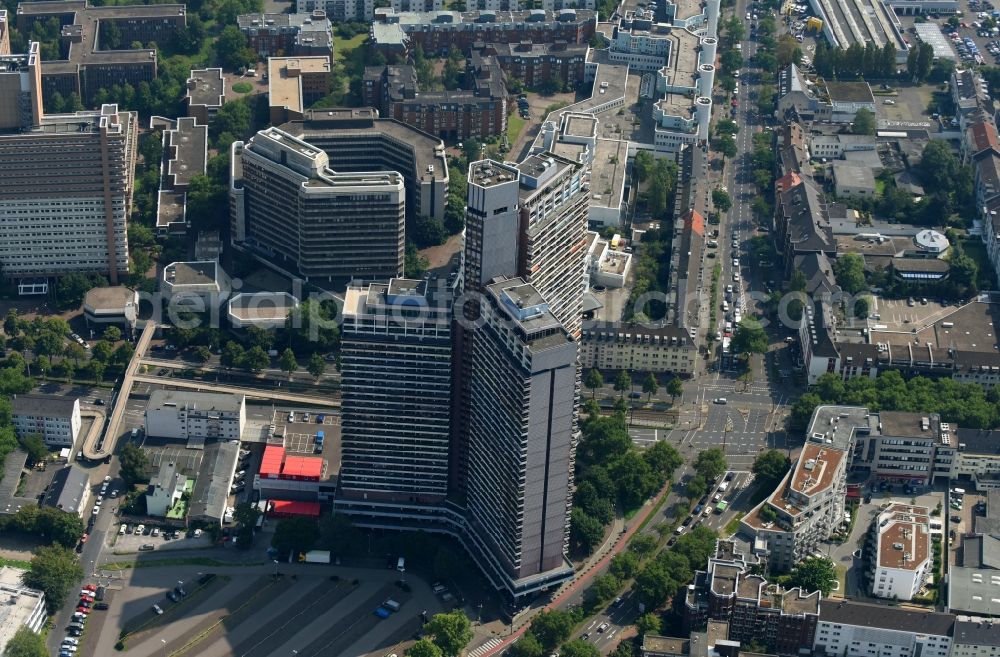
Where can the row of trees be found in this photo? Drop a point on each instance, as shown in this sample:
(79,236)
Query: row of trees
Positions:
(857,61)
(968,404)
(50,524)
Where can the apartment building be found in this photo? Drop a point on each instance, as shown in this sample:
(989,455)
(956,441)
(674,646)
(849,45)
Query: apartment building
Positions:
(523,430)
(4,33)
(53,417)
(857,629)
(536,64)
(65,194)
(901,447)
(185,155)
(729,590)
(295,83)
(976,637)
(437,32)
(293,212)
(478,111)
(20,86)
(185,415)
(339,11)
(638,347)
(416,5)
(206,93)
(288,35)
(396,368)
(23,607)
(357,140)
(92,62)
(808,505)
(165,489)
(902,541)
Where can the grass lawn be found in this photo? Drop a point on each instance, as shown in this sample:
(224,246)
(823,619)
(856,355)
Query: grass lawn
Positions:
(342,46)
(841,581)
(733,525)
(515,124)
(15,563)
(879,187)
(242,87)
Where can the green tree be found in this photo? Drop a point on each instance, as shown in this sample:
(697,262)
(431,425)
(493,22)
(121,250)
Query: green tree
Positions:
(34,445)
(749,338)
(579,648)
(337,534)
(648,624)
(255,360)
(528,646)
(297,534)
(604,588)
(202,353)
(10,323)
(450,632)
(769,467)
(675,388)
(711,463)
(134,464)
(102,351)
(650,386)
(55,572)
(655,585)
(721,200)
(231,49)
(26,643)
(849,269)
(593,380)
(623,382)
(232,355)
(814,574)
(695,487)
(726,145)
(112,334)
(624,565)
(585,531)
(424,648)
(642,545)
(864,122)
(287,361)
(552,627)
(316,365)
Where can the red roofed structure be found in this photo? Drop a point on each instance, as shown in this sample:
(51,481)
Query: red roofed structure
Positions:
(302,468)
(695,222)
(290,508)
(786,182)
(270,465)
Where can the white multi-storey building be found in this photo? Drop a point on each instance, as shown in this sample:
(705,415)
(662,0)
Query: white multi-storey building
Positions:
(854,629)
(902,552)
(185,415)
(339,11)
(976,637)
(56,419)
(396,369)
(65,195)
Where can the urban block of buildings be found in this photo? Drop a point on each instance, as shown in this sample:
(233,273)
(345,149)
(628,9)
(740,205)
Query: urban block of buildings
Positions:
(288,35)
(206,93)
(478,111)
(195,416)
(89,61)
(55,418)
(185,155)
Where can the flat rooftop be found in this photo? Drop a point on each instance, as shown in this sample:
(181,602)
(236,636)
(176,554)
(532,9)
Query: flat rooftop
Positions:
(970,328)
(108,299)
(411,19)
(262,305)
(207,87)
(191,273)
(211,401)
(850,92)
(904,424)
(816,469)
(20,606)
(615,263)
(285,81)
(170,208)
(187,151)
(836,425)
(580,125)
(904,541)
(608,171)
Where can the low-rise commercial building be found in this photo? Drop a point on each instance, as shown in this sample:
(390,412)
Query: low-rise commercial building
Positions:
(295,83)
(853,181)
(22,606)
(844,99)
(201,285)
(55,418)
(903,557)
(184,415)
(266,310)
(213,485)
(165,489)
(111,305)
(70,491)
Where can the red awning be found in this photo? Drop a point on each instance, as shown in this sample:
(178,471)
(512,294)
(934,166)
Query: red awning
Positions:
(270,465)
(294,508)
(302,467)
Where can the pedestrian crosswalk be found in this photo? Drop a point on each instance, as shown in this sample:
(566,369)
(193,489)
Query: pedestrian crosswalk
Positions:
(486,647)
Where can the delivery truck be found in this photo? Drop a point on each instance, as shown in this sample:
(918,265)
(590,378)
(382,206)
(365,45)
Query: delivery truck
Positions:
(315,556)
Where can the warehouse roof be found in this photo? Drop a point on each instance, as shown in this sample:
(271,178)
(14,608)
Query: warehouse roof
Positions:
(270,464)
(303,466)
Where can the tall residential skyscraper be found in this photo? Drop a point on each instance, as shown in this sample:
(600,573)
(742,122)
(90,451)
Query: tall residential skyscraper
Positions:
(530,220)
(396,373)
(291,210)
(522,431)
(65,194)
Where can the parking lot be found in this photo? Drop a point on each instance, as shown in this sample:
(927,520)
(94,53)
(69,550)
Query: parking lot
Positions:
(130,543)
(245,610)
(898,314)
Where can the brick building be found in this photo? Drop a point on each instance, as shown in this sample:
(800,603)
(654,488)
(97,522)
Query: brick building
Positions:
(276,35)
(536,63)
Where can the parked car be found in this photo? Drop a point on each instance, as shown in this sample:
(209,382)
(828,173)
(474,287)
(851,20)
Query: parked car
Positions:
(157,610)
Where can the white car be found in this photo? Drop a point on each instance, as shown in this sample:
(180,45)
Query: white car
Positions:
(121,530)
(748,15)
(139,529)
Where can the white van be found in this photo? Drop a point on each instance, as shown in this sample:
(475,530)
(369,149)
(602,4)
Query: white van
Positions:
(725,306)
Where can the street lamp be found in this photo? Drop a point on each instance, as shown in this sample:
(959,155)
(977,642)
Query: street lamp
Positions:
(275,569)
(164,642)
